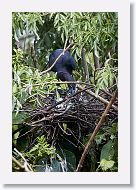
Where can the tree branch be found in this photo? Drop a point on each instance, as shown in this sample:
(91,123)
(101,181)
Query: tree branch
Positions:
(102,120)
(51,107)
(33,55)
(85,66)
(18,163)
(98,97)
(64,50)
(27,167)
(96,59)
(65,82)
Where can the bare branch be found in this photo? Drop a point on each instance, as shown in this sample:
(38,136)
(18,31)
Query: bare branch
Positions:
(96,59)
(17,163)
(33,55)
(65,82)
(26,166)
(102,120)
(98,97)
(64,50)
(60,102)
(85,66)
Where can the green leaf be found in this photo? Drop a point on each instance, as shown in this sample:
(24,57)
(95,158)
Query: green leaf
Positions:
(19,118)
(100,138)
(70,159)
(105,164)
(14,89)
(64,126)
(56,166)
(107,151)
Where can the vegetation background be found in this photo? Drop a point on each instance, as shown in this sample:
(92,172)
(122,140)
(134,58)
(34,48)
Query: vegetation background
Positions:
(35,35)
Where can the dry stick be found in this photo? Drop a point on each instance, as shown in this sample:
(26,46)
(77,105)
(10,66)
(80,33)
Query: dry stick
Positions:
(81,88)
(102,120)
(51,107)
(109,94)
(96,60)
(98,97)
(69,98)
(65,82)
(22,168)
(33,55)
(44,72)
(18,163)
(27,167)
(85,66)
(65,43)
(66,100)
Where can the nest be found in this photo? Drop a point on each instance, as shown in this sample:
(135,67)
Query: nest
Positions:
(67,119)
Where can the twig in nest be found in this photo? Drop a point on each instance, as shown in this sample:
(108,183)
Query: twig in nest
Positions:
(51,107)
(109,94)
(76,138)
(22,168)
(63,129)
(65,82)
(98,97)
(26,166)
(102,120)
(62,113)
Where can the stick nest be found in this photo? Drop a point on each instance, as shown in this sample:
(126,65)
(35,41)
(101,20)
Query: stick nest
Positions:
(69,118)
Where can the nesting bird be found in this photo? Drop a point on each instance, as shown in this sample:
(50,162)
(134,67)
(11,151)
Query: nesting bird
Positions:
(64,67)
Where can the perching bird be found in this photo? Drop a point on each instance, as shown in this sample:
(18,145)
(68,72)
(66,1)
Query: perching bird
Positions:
(64,67)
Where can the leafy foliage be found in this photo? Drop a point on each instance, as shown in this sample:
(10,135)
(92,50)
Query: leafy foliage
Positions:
(97,34)
(105,77)
(105,164)
(40,150)
(91,30)
(29,21)
(109,151)
(28,84)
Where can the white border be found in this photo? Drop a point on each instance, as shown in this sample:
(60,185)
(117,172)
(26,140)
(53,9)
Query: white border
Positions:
(120,177)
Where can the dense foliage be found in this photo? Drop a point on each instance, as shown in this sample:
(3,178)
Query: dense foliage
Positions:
(35,36)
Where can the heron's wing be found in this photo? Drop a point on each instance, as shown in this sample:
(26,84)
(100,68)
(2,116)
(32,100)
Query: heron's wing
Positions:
(65,76)
(69,62)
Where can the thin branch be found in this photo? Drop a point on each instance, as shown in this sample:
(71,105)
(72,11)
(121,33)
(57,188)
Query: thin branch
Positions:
(69,98)
(100,123)
(109,94)
(98,97)
(33,55)
(51,107)
(65,43)
(63,129)
(18,163)
(64,50)
(27,167)
(85,66)
(64,82)
(96,59)
(62,113)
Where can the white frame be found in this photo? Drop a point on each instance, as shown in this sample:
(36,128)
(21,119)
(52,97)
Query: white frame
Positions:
(123,174)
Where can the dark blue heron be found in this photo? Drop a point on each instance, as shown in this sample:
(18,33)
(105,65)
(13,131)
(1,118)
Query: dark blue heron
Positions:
(64,67)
